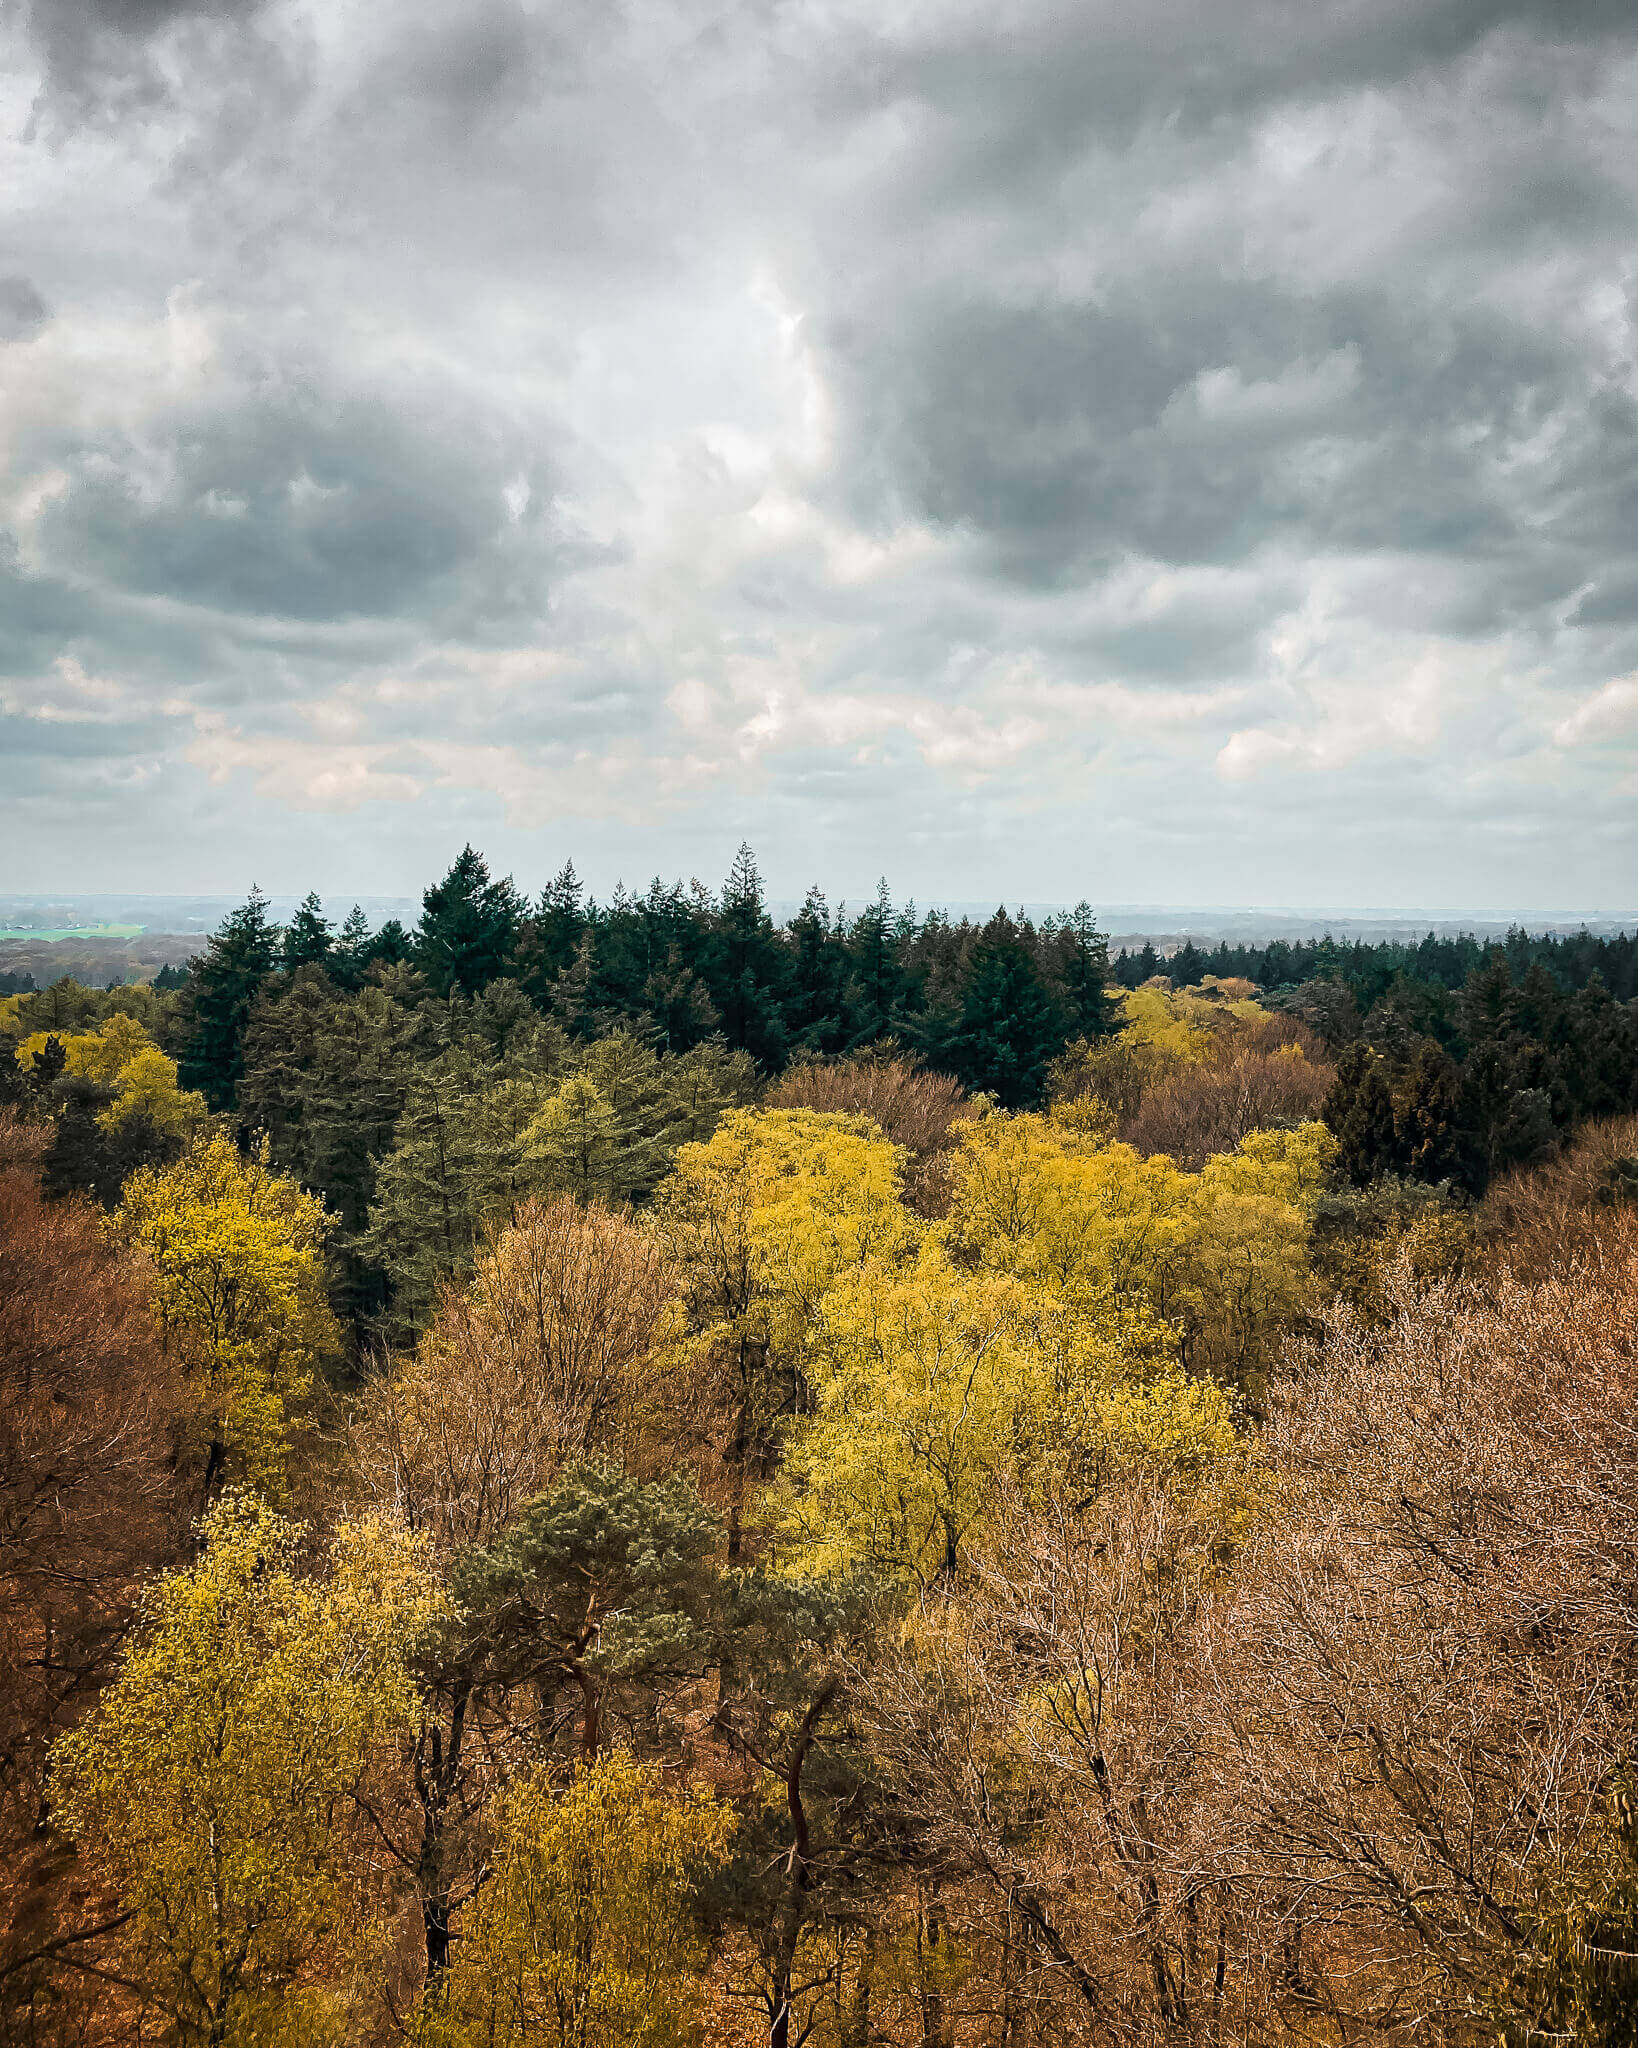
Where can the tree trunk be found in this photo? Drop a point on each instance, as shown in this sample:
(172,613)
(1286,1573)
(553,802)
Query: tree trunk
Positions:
(798,1874)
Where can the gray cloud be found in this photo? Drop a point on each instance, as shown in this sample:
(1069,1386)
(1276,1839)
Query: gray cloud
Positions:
(22,310)
(1060,448)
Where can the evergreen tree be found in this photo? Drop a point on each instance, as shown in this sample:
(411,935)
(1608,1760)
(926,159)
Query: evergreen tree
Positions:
(309,939)
(1426,1115)
(1601,1055)
(391,946)
(1187,966)
(1080,958)
(222,985)
(748,970)
(351,955)
(1009,1027)
(469,926)
(1360,1111)
(875,988)
(550,939)
(819,966)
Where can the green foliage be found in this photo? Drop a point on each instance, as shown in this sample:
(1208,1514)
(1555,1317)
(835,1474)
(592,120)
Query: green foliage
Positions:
(215,1006)
(469,926)
(602,1583)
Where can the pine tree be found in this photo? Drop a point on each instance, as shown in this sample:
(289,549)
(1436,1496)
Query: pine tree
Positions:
(875,989)
(1360,1111)
(1009,1027)
(352,950)
(222,985)
(1426,1104)
(818,973)
(469,926)
(1081,958)
(309,938)
(748,970)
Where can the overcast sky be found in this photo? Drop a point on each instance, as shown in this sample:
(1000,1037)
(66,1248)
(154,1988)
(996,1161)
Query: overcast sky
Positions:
(1184,451)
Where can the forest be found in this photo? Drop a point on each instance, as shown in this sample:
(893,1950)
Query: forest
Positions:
(623,1475)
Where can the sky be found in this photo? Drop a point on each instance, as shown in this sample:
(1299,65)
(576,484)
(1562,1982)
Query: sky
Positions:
(1184,452)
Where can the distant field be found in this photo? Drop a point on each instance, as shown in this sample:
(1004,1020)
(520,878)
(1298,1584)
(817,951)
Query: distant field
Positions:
(74,931)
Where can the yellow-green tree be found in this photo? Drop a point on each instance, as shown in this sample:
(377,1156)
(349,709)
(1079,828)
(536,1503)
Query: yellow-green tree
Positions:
(585,1935)
(209,1789)
(759,1222)
(940,1391)
(237,1254)
(120,1055)
(577,1145)
(1224,1253)
(923,1377)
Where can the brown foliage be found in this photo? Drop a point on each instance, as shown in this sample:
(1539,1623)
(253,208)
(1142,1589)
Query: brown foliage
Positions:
(1246,1076)
(1210,1106)
(912,1107)
(90,1501)
(1577,1203)
(1326,1788)
(536,1362)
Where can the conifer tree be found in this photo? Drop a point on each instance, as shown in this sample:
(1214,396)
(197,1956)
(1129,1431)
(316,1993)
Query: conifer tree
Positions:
(749,966)
(1009,1027)
(1081,959)
(351,955)
(222,985)
(469,926)
(309,938)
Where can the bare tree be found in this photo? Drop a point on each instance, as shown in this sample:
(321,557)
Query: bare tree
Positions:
(92,1493)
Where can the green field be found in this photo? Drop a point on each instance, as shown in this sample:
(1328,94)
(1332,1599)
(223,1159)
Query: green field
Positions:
(79,931)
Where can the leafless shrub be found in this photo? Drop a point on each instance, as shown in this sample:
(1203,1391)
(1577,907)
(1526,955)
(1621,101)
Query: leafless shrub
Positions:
(914,1108)
(537,1361)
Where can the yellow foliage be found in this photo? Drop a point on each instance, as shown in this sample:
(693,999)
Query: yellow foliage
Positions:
(119,1054)
(91,1055)
(207,1786)
(1224,1252)
(923,1376)
(1087,1220)
(237,1253)
(584,1937)
(767,1213)
(1171,1024)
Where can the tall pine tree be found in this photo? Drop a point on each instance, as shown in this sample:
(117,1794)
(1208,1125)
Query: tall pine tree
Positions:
(469,926)
(222,985)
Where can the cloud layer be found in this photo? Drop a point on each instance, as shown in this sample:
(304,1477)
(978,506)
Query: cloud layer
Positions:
(1181,453)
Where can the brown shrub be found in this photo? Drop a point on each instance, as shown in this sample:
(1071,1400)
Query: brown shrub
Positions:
(1578,1203)
(912,1107)
(1209,1107)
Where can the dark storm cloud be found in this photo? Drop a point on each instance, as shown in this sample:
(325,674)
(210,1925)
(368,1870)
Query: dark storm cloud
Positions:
(287,498)
(1207,417)
(97,57)
(1018,433)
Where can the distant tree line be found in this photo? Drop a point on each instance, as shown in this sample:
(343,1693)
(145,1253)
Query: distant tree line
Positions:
(1370,968)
